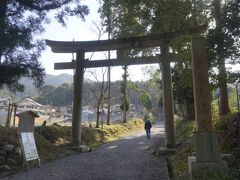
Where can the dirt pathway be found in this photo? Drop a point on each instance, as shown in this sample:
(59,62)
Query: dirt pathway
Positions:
(126,159)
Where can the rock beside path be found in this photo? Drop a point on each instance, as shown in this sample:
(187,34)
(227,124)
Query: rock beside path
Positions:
(10,157)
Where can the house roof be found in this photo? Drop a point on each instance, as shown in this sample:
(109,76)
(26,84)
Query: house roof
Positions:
(30,101)
(4,99)
(27,112)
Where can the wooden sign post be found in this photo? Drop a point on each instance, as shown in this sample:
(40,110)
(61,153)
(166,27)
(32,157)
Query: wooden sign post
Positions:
(27,141)
(29,147)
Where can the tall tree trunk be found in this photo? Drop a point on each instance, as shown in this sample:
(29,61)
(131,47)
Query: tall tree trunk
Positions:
(237,97)
(14,114)
(97,119)
(224,104)
(98,111)
(3,10)
(109,93)
(125,95)
(8,115)
(109,68)
(100,103)
(184,109)
(188,109)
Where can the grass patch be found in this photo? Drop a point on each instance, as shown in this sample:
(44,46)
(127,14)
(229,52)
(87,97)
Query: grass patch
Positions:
(54,141)
(49,151)
(185,147)
(116,131)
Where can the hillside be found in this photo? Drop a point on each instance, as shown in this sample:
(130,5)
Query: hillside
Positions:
(54,80)
(30,90)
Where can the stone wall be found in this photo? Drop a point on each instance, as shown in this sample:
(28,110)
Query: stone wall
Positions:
(10,157)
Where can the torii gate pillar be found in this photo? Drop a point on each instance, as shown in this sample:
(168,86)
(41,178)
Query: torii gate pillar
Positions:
(77,100)
(206,144)
(170,142)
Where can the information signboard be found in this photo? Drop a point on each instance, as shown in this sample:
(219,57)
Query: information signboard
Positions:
(29,146)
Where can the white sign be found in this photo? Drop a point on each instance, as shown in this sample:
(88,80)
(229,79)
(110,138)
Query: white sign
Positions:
(29,146)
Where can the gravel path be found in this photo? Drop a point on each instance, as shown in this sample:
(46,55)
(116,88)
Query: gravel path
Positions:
(126,159)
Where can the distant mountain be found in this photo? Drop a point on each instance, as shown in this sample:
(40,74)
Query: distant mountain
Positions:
(54,80)
(57,80)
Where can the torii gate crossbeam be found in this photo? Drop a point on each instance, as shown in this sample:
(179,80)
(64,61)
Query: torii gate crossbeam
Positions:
(115,62)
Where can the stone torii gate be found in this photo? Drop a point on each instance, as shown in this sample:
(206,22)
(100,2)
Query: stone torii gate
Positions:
(205,140)
(120,45)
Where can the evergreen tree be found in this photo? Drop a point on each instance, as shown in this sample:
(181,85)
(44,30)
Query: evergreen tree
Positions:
(223,44)
(63,95)
(20,20)
(45,95)
(138,17)
(143,17)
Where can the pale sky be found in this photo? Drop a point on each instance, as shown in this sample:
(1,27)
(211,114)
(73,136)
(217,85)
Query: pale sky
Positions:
(83,31)
(79,31)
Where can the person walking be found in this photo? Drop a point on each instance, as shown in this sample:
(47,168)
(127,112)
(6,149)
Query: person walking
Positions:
(148,126)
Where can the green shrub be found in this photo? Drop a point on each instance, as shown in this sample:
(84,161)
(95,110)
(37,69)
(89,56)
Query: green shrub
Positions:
(228,130)
(54,132)
(8,135)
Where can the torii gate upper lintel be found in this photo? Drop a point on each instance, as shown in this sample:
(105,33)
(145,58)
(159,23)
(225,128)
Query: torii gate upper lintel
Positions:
(122,43)
(154,40)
